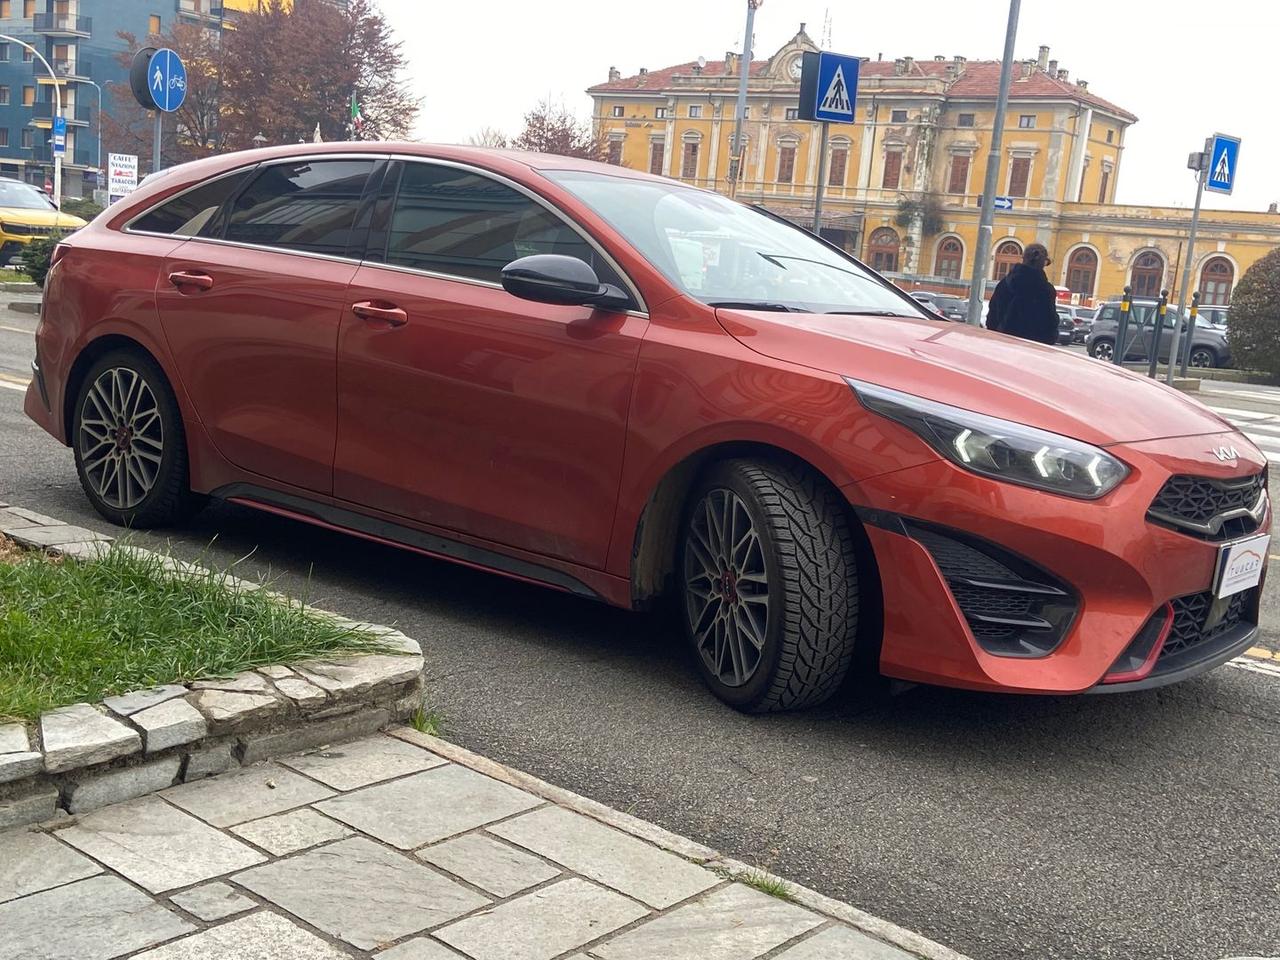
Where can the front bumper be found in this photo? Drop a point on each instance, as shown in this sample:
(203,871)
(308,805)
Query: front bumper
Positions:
(1120,567)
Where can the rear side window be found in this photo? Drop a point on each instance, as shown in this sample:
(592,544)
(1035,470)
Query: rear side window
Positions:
(191,214)
(307,206)
(457,223)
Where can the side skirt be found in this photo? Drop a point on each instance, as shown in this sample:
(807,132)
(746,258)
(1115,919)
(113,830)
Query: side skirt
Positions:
(382,531)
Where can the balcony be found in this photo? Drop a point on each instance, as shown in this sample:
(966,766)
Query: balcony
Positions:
(42,114)
(62,25)
(43,153)
(81,68)
(210,10)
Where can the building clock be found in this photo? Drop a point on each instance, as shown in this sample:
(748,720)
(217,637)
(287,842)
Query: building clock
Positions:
(794,67)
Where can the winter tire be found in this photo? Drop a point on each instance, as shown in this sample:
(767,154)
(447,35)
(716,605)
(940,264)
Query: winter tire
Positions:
(770,585)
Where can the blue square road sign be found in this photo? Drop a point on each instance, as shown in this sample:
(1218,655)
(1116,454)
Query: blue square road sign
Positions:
(828,87)
(1224,157)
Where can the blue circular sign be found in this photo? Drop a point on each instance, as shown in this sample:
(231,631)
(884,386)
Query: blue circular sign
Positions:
(167,80)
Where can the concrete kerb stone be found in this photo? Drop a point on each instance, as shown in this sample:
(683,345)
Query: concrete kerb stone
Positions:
(681,846)
(84,756)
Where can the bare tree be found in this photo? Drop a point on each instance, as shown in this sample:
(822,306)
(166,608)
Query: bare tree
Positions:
(551,128)
(488,137)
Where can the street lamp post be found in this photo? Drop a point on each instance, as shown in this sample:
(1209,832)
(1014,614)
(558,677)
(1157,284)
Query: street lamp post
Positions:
(57,101)
(744,71)
(983,245)
(99,89)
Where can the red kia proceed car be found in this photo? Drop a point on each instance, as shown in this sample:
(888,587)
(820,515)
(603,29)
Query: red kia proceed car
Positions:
(618,386)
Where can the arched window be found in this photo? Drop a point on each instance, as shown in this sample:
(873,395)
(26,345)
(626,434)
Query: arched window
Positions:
(1007,254)
(1147,275)
(884,250)
(1082,271)
(950,258)
(1215,282)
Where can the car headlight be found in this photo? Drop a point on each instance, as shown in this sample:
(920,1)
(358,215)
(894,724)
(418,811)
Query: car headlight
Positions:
(998,448)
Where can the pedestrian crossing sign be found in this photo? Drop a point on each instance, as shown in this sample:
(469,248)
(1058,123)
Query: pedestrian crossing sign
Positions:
(1224,156)
(828,87)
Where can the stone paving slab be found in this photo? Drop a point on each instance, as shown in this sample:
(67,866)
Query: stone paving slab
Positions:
(263,936)
(361,892)
(78,735)
(95,919)
(271,864)
(624,863)
(246,795)
(127,704)
(157,846)
(169,724)
(32,862)
(489,864)
(288,833)
(394,812)
(543,924)
(359,764)
(732,923)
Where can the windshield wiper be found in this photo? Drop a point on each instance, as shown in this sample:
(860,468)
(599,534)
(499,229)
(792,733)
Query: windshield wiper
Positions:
(754,305)
(878,313)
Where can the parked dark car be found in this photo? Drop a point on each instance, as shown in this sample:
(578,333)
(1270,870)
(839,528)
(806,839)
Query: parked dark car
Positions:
(953,308)
(1083,318)
(1066,326)
(1208,344)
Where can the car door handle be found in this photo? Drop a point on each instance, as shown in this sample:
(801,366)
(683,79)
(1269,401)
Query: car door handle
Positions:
(201,281)
(380,310)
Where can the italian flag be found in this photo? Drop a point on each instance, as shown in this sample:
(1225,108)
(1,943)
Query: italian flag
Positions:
(357,118)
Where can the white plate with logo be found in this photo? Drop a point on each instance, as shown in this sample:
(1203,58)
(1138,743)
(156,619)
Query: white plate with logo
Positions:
(1240,565)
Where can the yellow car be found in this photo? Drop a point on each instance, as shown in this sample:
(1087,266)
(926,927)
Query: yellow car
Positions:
(26,213)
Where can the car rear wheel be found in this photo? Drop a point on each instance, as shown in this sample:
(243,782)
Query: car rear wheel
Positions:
(770,585)
(1203,357)
(130,447)
(1102,349)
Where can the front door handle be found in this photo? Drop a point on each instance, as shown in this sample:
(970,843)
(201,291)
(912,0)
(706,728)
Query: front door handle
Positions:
(201,281)
(380,310)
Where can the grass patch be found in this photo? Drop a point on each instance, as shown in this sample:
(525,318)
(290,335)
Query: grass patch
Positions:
(428,722)
(73,632)
(773,886)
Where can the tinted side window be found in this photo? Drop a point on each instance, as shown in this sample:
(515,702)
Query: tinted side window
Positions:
(457,223)
(1108,314)
(192,213)
(307,206)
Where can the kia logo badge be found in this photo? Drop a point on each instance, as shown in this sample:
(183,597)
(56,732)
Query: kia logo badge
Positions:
(1226,453)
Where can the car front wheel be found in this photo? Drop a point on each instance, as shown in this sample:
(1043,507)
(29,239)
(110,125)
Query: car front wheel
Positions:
(1102,349)
(770,585)
(130,447)
(1203,357)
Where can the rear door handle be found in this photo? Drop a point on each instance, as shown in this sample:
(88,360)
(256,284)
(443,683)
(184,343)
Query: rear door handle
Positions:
(380,310)
(201,281)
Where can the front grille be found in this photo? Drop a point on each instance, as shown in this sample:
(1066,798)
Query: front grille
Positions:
(1211,509)
(1191,616)
(23,230)
(1013,608)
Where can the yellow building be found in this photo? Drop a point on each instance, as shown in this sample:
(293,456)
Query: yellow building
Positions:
(903,182)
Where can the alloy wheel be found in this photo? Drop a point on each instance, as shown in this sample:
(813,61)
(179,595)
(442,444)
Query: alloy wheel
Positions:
(1102,350)
(1201,358)
(121,437)
(726,587)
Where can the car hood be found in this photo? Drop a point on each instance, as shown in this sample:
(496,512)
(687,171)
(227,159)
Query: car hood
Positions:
(40,218)
(989,373)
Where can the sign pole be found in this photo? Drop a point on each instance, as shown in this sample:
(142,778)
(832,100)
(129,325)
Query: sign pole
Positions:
(156,142)
(983,251)
(822,179)
(1174,352)
(744,75)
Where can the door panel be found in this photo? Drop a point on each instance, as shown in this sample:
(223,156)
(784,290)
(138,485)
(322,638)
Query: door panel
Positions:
(256,354)
(483,413)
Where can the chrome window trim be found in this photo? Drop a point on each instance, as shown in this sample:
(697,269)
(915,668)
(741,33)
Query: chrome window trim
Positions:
(641,307)
(263,164)
(262,246)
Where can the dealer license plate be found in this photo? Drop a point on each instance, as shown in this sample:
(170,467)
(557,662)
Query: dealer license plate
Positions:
(1240,565)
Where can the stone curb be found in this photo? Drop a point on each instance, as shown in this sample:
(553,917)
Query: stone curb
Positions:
(84,756)
(865,922)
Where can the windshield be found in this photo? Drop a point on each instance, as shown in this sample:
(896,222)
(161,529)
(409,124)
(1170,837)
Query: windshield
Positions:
(722,252)
(23,196)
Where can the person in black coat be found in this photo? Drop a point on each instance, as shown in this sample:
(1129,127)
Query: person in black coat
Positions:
(1025,304)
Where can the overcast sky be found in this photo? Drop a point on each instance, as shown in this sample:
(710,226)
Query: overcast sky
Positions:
(478,63)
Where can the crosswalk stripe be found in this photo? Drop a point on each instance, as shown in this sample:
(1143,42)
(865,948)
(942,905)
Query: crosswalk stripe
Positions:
(1243,395)
(1270,429)
(13,386)
(1232,412)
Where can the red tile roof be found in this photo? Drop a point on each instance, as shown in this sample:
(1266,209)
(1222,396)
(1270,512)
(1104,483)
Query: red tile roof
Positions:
(978,79)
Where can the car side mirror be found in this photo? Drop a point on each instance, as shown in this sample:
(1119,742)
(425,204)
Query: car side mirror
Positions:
(554,278)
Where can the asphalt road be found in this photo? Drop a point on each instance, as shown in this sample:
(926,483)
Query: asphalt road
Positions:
(1139,826)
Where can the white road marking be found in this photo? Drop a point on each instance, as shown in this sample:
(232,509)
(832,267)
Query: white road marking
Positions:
(1232,412)
(1244,394)
(1256,666)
